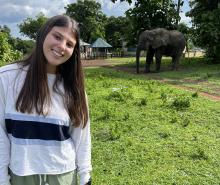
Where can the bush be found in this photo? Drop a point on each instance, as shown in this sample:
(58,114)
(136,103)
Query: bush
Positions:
(181,102)
(6,53)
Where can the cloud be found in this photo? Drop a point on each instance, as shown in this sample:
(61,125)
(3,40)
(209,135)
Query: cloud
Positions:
(115,9)
(185,19)
(15,11)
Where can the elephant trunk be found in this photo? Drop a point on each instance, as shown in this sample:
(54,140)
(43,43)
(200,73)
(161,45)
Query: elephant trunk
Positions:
(137,59)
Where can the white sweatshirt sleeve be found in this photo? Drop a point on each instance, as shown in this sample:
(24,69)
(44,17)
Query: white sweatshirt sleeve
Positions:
(82,140)
(4,141)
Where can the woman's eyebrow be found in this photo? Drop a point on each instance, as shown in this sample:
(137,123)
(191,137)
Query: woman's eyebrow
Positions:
(58,33)
(63,36)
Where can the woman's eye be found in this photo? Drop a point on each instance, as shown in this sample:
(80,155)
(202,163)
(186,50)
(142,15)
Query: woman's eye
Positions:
(57,37)
(69,45)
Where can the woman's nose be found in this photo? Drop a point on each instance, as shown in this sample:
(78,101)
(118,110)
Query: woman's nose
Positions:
(62,45)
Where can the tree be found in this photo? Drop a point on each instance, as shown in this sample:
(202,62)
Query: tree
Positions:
(5,29)
(206,25)
(17,44)
(183,28)
(29,27)
(24,46)
(91,19)
(115,30)
(6,52)
(179,4)
(150,14)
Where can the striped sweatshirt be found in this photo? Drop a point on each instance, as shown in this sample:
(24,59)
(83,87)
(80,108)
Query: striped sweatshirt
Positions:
(36,144)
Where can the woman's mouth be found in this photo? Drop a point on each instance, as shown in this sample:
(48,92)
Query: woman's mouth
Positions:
(57,53)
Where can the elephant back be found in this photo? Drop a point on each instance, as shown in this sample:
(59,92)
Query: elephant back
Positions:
(177,39)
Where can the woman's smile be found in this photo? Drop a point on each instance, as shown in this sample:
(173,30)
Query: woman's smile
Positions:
(57,53)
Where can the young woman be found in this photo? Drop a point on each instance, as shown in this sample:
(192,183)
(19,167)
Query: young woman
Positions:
(44,122)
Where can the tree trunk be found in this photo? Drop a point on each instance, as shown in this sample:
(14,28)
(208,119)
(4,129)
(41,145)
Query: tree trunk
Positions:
(178,12)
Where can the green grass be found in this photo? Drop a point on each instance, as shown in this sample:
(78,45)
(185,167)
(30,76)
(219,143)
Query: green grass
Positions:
(194,73)
(147,132)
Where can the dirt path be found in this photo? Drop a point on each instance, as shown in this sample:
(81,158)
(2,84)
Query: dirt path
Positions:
(96,63)
(105,63)
(210,96)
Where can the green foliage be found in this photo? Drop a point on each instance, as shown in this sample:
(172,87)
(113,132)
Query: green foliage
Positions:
(183,28)
(206,24)
(6,52)
(181,102)
(29,27)
(143,102)
(200,154)
(115,132)
(178,102)
(24,46)
(115,30)
(163,97)
(5,29)
(195,95)
(88,14)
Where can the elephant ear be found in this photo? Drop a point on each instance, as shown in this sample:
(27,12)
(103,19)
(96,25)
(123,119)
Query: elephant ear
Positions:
(160,38)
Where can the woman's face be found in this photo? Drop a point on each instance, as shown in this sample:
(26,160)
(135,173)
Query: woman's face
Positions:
(58,47)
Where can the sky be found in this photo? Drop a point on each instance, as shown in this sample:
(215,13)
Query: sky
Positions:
(13,12)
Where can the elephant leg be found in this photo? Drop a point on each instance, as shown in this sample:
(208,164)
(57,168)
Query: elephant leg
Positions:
(175,62)
(149,59)
(138,59)
(158,57)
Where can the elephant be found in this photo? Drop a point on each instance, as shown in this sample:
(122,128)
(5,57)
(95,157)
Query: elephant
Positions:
(160,42)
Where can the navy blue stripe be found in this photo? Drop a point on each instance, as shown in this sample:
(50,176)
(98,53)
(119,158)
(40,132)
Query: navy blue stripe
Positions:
(37,130)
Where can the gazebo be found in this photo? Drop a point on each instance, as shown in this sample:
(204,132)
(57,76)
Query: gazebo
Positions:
(100,48)
(84,49)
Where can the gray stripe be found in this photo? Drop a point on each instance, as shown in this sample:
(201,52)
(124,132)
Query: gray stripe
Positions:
(18,141)
(37,118)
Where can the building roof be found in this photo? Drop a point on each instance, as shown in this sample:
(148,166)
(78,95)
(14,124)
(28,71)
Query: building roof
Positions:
(82,43)
(100,43)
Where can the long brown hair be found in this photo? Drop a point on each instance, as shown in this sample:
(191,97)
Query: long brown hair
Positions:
(35,91)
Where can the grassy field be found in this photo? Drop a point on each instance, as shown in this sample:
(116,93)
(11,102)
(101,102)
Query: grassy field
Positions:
(193,73)
(146,132)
